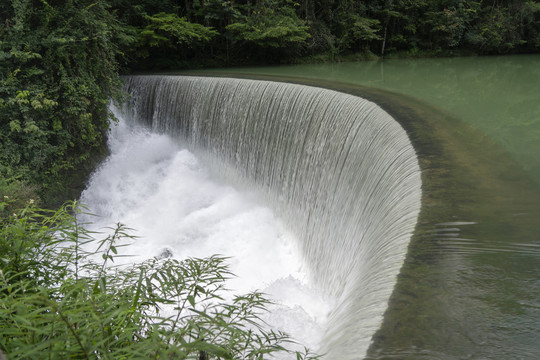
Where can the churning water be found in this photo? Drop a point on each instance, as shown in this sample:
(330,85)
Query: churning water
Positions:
(162,190)
(313,193)
(470,286)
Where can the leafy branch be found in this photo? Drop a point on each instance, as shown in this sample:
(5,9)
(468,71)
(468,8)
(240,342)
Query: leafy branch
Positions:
(61,299)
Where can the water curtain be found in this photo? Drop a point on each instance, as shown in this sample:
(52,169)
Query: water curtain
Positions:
(339,170)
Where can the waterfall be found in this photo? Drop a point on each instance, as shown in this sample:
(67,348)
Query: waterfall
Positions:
(341,173)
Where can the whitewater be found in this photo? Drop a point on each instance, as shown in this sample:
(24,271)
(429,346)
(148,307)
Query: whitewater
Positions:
(177,208)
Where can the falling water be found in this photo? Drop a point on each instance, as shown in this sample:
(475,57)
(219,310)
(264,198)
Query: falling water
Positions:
(338,176)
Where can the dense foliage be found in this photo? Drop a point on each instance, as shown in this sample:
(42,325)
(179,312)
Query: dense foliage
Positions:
(58,72)
(59,68)
(60,60)
(284,30)
(62,298)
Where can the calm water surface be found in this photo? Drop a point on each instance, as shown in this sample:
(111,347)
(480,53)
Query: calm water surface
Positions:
(470,288)
(499,95)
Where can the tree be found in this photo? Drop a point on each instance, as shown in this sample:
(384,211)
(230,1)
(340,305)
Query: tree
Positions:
(450,21)
(270,25)
(359,33)
(58,72)
(168,31)
(507,26)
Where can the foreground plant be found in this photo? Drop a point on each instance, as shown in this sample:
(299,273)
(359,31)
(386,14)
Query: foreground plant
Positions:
(58,300)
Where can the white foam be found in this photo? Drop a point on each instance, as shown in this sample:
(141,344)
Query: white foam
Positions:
(153,185)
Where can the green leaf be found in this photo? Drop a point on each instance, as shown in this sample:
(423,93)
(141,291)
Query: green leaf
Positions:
(15,126)
(213,349)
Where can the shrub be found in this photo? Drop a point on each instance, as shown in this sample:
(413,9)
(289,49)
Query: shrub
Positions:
(62,296)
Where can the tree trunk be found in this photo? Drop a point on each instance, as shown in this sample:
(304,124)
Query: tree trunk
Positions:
(188,10)
(384,39)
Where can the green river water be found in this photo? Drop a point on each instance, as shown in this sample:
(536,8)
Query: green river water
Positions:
(470,287)
(498,95)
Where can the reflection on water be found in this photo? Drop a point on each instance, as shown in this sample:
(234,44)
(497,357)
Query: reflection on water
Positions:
(470,288)
(499,95)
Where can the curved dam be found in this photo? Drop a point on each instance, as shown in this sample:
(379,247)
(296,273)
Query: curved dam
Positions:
(340,172)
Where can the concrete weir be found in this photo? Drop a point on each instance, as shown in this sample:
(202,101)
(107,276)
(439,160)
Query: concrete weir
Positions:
(340,171)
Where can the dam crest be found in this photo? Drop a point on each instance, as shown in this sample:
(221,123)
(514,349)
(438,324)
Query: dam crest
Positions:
(340,171)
